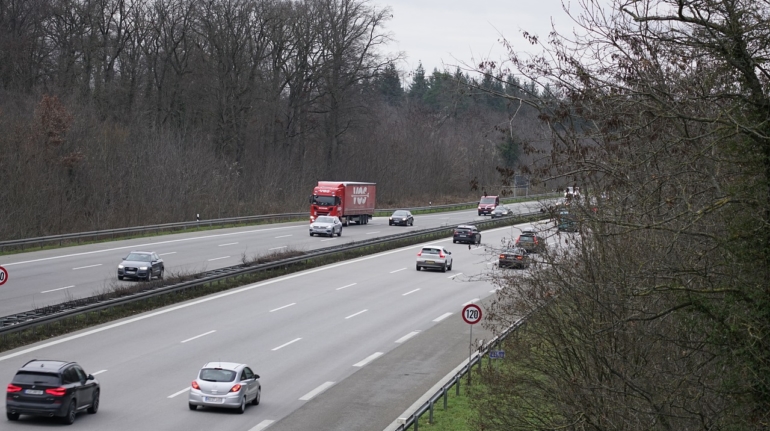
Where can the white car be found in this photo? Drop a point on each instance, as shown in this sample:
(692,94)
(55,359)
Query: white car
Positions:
(436,257)
(225,385)
(326,225)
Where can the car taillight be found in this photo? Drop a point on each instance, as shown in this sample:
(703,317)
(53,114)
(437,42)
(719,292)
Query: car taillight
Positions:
(195,385)
(57,392)
(441,254)
(13,388)
(419,254)
(518,239)
(236,388)
(519,257)
(502,256)
(535,238)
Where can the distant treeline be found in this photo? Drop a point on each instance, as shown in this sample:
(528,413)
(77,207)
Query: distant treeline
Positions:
(128,112)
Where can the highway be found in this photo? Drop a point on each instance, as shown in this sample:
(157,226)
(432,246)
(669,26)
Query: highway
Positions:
(303,333)
(47,277)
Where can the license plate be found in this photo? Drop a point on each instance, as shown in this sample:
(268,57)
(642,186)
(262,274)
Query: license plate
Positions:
(429,261)
(213,399)
(33,392)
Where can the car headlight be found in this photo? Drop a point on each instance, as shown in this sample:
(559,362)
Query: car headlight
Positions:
(143,267)
(120,266)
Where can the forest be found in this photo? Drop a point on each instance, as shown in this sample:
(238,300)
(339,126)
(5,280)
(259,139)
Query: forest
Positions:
(121,113)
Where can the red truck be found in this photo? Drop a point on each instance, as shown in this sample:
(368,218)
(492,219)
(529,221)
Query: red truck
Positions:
(350,201)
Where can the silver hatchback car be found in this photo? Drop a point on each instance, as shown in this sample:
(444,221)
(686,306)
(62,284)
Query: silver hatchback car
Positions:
(225,385)
(326,225)
(434,256)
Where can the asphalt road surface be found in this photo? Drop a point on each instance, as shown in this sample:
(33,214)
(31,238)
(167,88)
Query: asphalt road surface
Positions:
(305,334)
(41,278)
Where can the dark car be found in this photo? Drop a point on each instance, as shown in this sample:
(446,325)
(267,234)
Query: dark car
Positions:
(141,265)
(487,204)
(467,233)
(565,222)
(500,211)
(401,217)
(529,240)
(53,389)
(514,258)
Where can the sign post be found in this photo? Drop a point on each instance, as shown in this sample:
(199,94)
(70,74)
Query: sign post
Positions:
(471,315)
(3,275)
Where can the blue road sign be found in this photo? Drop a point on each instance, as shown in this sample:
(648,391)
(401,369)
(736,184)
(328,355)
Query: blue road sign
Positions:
(497,354)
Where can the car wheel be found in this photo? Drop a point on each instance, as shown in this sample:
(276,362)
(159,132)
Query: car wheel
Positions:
(390,223)
(256,399)
(94,404)
(160,276)
(149,275)
(443,268)
(242,407)
(478,240)
(120,277)
(12,416)
(454,242)
(340,232)
(418,267)
(411,222)
(311,233)
(449,268)
(69,419)
(192,406)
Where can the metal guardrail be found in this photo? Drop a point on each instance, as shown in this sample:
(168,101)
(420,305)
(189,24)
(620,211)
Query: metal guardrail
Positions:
(29,319)
(443,392)
(198,223)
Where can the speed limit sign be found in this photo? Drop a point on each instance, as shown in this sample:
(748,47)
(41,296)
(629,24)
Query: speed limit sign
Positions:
(472,314)
(3,275)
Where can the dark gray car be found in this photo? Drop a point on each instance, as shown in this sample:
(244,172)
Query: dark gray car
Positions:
(141,265)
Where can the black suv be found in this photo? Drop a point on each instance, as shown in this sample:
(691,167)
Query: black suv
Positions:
(51,388)
(467,233)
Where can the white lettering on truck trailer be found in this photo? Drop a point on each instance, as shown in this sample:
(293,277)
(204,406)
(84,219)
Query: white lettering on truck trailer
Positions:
(360,195)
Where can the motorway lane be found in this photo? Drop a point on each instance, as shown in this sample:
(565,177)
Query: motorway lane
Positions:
(49,277)
(315,342)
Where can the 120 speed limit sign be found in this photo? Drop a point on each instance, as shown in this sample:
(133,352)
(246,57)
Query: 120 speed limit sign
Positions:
(472,314)
(3,275)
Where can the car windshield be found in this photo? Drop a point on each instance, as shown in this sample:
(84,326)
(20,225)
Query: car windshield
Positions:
(217,375)
(323,200)
(325,220)
(36,378)
(487,200)
(400,214)
(139,257)
(499,209)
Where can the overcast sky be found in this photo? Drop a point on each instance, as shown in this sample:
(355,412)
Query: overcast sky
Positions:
(444,33)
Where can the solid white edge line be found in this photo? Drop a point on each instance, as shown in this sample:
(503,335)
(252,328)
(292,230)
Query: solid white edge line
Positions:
(453,276)
(393,272)
(407,336)
(218,296)
(316,391)
(198,336)
(98,372)
(179,393)
(281,308)
(411,291)
(229,243)
(368,359)
(166,254)
(218,258)
(89,266)
(343,287)
(442,317)
(262,425)
(356,314)
(277,248)
(372,233)
(470,302)
(61,288)
(151,244)
(286,344)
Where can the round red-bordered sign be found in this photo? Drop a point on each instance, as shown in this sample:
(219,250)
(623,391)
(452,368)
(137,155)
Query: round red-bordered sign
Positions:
(3,275)
(472,314)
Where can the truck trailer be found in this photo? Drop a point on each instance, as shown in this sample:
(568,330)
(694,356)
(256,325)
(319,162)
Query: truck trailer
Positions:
(351,201)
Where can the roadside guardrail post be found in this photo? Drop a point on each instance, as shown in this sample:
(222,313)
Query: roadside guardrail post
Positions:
(430,416)
(445,397)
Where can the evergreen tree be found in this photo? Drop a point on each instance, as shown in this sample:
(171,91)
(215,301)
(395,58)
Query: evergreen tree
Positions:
(419,84)
(389,84)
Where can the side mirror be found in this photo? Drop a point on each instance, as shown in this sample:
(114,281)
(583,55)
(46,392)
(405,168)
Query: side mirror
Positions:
(310,199)
(256,376)
(90,377)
